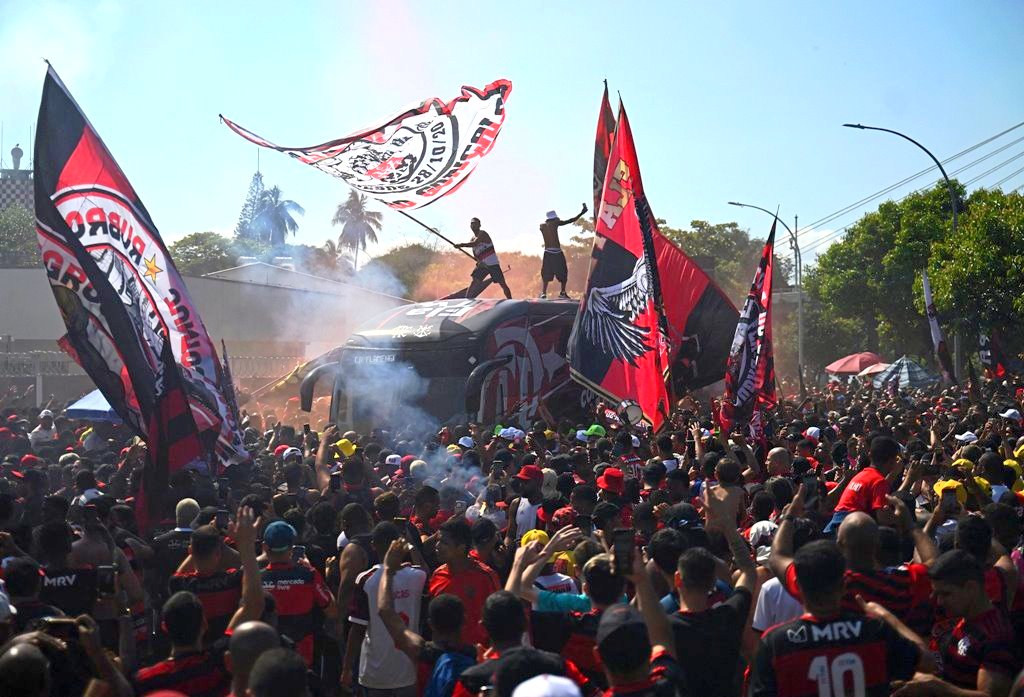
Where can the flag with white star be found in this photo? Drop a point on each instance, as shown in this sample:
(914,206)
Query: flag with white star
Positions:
(115,283)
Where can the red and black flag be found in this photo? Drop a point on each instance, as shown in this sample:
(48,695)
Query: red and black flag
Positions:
(172,439)
(114,281)
(750,377)
(990,351)
(602,147)
(618,347)
(938,341)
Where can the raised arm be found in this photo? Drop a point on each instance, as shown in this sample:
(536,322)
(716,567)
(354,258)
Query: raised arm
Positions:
(927,552)
(244,534)
(573,220)
(407,641)
(722,504)
(782,546)
(659,631)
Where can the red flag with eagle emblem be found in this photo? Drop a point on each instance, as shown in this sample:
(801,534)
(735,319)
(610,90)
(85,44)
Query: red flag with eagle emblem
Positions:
(750,376)
(415,157)
(618,347)
(114,281)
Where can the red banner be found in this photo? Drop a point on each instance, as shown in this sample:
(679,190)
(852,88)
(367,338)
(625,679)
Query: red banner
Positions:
(602,147)
(617,348)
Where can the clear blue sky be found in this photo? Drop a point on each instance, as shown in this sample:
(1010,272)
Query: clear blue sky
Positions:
(728,101)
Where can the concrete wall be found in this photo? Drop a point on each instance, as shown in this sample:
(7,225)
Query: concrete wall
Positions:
(253,319)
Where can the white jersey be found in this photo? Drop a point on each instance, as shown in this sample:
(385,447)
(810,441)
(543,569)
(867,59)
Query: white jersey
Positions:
(526,517)
(381,665)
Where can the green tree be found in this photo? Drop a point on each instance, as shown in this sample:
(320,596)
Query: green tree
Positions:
(729,254)
(359,224)
(407,263)
(331,260)
(870,281)
(203,252)
(978,278)
(18,246)
(243,229)
(275,217)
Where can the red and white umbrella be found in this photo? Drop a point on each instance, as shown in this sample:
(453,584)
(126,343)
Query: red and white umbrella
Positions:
(853,364)
(873,369)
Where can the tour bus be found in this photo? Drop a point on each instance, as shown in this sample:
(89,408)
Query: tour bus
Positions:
(452,361)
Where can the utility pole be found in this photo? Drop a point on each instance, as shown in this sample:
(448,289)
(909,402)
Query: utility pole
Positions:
(798,277)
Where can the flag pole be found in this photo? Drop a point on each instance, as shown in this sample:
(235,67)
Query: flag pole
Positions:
(427,227)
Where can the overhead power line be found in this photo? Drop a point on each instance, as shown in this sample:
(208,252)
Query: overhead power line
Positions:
(810,227)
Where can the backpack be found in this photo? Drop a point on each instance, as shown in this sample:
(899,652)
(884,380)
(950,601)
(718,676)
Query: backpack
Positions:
(446,671)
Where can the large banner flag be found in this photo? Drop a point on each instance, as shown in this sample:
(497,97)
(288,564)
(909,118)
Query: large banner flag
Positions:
(602,147)
(115,283)
(938,341)
(750,377)
(617,347)
(172,438)
(415,157)
(990,352)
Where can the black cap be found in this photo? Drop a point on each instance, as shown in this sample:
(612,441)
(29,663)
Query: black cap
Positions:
(621,625)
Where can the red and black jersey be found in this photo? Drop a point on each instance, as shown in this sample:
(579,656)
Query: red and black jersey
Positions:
(219,592)
(962,647)
(573,635)
(849,654)
(632,465)
(905,591)
(665,680)
(195,674)
(71,590)
(298,590)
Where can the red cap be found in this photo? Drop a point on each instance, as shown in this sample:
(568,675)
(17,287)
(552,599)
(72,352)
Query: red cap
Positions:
(17,475)
(564,517)
(279,450)
(30,460)
(530,473)
(613,480)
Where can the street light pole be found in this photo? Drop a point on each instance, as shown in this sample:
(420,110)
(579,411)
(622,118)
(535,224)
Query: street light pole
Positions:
(952,202)
(798,277)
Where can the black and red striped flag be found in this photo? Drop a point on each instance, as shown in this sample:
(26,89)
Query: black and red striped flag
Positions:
(750,376)
(991,354)
(172,439)
(602,147)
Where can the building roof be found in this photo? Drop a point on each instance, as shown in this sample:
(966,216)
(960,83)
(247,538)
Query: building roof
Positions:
(262,273)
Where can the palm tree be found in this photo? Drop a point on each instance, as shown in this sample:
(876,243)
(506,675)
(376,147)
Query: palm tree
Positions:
(274,216)
(335,259)
(359,224)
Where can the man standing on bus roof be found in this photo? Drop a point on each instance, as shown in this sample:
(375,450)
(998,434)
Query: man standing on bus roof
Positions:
(553,266)
(486,262)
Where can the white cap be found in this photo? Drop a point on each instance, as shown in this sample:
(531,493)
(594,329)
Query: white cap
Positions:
(552,215)
(636,442)
(47,413)
(813,432)
(393,460)
(547,686)
(1011,414)
(761,533)
(581,436)
(968,437)
(289,453)
(417,469)
(466,442)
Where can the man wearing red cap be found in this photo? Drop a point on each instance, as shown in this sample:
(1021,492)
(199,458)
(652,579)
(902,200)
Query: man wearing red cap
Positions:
(522,513)
(612,485)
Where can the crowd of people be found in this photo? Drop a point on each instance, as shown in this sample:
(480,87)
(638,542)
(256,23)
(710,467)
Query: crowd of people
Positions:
(868,543)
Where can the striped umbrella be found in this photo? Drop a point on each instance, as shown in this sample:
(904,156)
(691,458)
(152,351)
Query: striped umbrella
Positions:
(910,375)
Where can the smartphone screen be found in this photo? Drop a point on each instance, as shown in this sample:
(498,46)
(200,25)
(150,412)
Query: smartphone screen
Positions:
(336,482)
(63,628)
(298,553)
(623,549)
(105,580)
(222,487)
(949,503)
